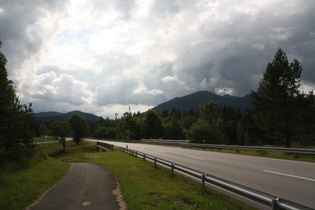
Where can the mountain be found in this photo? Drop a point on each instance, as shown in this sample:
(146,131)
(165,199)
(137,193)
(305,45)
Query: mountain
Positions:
(53,116)
(193,101)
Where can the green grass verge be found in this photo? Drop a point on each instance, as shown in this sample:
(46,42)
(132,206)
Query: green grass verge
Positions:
(142,185)
(19,189)
(146,187)
(278,155)
(43,139)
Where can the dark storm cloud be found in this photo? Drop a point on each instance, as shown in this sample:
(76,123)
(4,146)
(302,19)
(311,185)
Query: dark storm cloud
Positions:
(95,54)
(18,31)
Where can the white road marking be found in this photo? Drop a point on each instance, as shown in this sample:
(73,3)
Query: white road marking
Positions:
(198,158)
(289,175)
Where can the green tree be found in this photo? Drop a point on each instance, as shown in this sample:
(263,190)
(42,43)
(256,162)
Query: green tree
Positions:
(60,130)
(43,130)
(152,127)
(16,136)
(208,126)
(79,127)
(173,129)
(278,100)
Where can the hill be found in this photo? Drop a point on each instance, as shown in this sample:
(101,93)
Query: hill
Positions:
(53,116)
(193,101)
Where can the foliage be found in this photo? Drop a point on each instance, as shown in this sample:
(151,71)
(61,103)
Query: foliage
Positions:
(208,127)
(173,128)
(20,188)
(278,100)
(16,136)
(152,127)
(60,130)
(79,127)
(129,127)
(43,130)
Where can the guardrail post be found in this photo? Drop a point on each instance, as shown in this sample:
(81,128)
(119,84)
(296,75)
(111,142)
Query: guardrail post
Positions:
(154,162)
(203,179)
(143,156)
(172,168)
(274,204)
(136,154)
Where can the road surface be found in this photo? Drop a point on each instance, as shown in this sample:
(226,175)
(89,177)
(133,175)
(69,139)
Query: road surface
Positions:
(86,186)
(290,180)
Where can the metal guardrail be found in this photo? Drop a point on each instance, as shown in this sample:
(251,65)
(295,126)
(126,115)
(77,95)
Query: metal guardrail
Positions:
(266,148)
(185,143)
(271,201)
(164,141)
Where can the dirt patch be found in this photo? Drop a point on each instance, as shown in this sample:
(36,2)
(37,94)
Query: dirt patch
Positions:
(119,198)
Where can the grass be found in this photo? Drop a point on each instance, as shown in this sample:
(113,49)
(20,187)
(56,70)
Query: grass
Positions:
(146,187)
(278,155)
(43,139)
(142,185)
(19,189)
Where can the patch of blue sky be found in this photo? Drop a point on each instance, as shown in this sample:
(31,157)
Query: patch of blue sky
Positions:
(68,36)
(109,26)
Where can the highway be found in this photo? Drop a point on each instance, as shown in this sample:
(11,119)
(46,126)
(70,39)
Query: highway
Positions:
(290,180)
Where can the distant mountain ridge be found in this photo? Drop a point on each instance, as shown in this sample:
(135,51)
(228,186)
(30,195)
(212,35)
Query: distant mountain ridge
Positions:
(194,100)
(53,116)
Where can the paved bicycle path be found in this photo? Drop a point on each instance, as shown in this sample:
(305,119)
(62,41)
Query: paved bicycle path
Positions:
(86,186)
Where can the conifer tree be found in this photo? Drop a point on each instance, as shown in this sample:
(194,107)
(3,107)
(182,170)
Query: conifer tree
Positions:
(16,140)
(279,103)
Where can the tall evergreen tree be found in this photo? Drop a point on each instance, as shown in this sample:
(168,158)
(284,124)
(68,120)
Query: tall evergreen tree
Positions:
(208,127)
(278,100)
(16,139)
(152,127)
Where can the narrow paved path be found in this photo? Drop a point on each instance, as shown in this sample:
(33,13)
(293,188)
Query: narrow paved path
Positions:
(86,186)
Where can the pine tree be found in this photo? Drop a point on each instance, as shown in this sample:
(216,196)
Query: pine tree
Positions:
(278,99)
(16,140)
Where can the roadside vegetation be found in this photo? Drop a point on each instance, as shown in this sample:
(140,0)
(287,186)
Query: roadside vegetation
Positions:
(21,185)
(278,155)
(142,185)
(43,139)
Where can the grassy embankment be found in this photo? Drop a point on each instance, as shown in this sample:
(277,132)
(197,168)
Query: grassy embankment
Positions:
(43,139)
(278,155)
(21,185)
(142,185)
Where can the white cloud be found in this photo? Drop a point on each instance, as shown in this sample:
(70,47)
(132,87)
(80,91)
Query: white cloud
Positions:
(63,88)
(224,91)
(258,46)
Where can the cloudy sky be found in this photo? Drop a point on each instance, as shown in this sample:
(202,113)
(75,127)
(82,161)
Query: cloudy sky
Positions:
(102,56)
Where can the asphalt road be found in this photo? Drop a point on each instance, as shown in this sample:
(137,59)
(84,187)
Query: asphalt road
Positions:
(290,180)
(86,186)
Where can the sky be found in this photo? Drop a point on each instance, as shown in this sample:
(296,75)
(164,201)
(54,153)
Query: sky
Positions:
(104,56)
